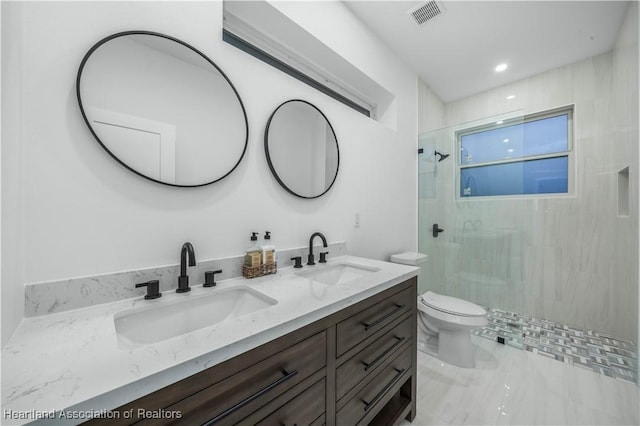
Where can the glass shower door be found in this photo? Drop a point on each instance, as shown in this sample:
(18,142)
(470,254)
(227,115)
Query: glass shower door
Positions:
(478,255)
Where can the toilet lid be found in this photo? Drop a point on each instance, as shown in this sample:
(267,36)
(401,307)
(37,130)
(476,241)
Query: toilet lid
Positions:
(451,305)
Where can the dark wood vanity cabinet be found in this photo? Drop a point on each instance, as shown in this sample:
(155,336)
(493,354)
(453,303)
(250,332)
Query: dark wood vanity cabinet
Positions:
(354,367)
(376,353)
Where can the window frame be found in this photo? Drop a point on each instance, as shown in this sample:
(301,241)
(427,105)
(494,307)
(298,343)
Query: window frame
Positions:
(568,110)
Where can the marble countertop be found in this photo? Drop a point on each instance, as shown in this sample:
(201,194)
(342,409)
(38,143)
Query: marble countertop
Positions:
(74,362)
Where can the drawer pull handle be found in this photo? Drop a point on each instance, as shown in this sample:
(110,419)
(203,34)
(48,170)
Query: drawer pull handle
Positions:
(380,357)
(384,390)
(397,309)
(251,398)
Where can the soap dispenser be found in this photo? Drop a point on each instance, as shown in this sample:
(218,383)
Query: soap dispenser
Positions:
(253,258)
(269,262)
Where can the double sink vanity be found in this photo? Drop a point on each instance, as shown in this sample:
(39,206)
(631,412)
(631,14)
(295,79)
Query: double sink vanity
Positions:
(332,343)
(327,344)
(154,323)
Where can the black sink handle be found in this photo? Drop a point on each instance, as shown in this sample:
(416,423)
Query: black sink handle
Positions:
(153,289)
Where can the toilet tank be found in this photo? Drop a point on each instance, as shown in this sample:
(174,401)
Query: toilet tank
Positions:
(413,259)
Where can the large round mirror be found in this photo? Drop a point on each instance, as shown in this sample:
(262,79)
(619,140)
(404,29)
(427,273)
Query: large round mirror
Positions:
(162,109)
(302,149)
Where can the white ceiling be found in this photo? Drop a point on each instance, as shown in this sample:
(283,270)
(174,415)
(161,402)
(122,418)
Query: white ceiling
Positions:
(456,52)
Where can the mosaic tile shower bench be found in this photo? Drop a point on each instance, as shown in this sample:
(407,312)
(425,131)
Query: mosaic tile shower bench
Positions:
(587,349)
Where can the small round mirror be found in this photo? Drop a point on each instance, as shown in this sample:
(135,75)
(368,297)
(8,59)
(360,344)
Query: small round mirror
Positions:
(302,149)
(162,108)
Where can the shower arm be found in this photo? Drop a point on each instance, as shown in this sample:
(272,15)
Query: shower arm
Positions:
(442,156)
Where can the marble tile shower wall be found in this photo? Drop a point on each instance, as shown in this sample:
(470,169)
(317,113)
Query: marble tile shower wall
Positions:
(73,293)
(572,258)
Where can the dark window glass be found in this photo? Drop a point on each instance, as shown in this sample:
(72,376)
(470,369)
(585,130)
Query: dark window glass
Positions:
(542,176)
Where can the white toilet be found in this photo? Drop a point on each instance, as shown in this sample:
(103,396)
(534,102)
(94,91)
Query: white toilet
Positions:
(444,322)
(444,328)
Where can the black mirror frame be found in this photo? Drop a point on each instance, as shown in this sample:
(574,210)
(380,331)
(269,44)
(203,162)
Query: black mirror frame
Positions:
(273,170)
(152,33)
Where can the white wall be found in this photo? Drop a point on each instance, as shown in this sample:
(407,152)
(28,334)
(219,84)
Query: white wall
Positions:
(84,214)
(567,259)
(624,118)
(12,295)
(626,59)
(430,109)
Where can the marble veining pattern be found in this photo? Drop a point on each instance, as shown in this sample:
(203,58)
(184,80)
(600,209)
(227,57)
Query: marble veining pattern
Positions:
(587,349)
(73,293)
(74,360)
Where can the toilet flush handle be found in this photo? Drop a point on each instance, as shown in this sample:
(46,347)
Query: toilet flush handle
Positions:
(436,230)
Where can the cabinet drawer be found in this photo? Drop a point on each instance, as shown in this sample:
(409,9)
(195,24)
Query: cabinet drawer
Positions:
(375,395)
(233,398)
(368,360)
(302,410)
(358,327)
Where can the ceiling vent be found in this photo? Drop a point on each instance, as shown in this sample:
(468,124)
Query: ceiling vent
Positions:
(427,11)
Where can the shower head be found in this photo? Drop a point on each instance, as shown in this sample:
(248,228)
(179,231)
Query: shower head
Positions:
(442,156)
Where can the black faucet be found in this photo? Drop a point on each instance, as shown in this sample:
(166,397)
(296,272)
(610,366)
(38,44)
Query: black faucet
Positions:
(324,243)
(183,279)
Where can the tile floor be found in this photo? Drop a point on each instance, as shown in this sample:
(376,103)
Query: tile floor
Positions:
(587,349)
(511,386)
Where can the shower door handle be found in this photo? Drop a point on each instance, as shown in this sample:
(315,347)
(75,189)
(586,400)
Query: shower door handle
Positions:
(436,230)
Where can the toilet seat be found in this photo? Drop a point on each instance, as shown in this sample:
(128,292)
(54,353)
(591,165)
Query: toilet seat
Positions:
(451,305)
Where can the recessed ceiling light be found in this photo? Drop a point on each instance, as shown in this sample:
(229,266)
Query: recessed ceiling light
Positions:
(510,150)
(511,97)
(505,140)
(501,67)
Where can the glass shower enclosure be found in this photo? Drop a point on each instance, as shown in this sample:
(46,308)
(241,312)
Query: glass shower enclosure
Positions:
(478,254)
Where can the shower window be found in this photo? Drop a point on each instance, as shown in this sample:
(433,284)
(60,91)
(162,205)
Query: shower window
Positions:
(524,156)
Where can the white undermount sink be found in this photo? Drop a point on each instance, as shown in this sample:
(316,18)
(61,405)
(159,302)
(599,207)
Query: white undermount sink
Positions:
(339,273)
(158,322)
